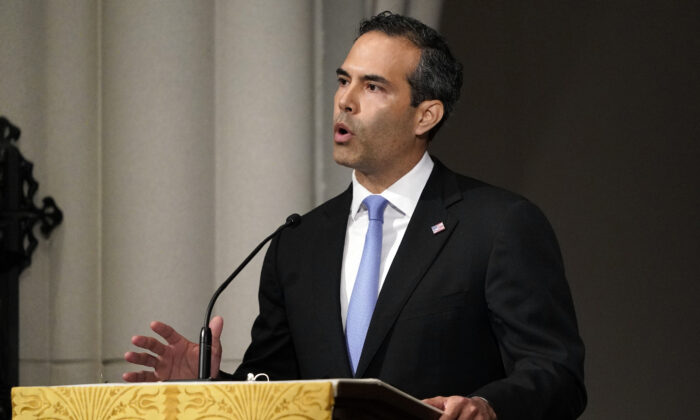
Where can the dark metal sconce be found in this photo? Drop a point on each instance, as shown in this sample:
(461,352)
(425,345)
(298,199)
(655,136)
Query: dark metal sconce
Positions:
(18,216)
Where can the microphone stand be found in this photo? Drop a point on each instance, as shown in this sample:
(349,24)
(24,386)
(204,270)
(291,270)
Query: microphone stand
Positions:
(205,333)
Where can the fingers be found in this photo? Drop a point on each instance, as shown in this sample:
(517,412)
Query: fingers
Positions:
(142,376)
(459,408)
(143,359)
(437,402)
(462,408)
(216,325)
(167,332)
(149,343)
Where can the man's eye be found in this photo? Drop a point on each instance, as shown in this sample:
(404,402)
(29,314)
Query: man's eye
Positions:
(372,87)
(342,82)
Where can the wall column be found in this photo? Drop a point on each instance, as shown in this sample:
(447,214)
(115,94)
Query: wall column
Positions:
(157,153)
(48,62)
(71,158)
(22,57)
(264,142)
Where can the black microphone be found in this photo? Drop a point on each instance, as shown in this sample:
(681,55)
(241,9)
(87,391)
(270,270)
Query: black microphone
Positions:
(205,335)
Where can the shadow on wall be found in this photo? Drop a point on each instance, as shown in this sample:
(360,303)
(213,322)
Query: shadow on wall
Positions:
(590,110)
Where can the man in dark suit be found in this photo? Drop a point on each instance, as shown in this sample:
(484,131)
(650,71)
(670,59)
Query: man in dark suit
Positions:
(469,294)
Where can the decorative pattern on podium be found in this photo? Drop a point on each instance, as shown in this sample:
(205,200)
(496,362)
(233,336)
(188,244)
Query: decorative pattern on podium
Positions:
(241,401)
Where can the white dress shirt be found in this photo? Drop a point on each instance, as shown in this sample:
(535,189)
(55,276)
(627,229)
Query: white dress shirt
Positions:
(403,197)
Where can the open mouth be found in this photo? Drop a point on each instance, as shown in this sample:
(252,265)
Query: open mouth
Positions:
(342,133)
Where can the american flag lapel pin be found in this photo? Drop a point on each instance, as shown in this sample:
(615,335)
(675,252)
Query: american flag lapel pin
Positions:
(437,228)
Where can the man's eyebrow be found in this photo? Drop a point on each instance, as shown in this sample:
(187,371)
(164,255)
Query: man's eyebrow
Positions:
(366,78)
(375,78)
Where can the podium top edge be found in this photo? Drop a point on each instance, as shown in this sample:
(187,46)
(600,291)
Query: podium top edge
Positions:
(333,382)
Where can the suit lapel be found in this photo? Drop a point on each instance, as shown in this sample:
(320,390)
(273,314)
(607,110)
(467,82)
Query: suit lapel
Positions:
(327,265)
(415,255)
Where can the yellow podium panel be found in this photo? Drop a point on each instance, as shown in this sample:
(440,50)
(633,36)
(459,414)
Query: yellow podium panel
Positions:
(308,400)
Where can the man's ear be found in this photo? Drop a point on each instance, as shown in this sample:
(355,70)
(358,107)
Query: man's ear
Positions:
(428,114)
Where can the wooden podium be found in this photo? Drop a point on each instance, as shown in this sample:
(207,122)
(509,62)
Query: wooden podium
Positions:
(321,399)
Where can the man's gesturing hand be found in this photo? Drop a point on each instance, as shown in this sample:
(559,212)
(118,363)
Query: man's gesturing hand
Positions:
(179,359)
(462,408)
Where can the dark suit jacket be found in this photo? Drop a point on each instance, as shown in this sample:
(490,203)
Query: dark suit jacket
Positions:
(481,308)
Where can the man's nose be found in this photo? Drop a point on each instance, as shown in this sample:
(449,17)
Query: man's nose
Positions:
(347,100)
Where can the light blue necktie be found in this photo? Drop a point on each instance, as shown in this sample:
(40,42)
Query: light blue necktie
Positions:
(364,292)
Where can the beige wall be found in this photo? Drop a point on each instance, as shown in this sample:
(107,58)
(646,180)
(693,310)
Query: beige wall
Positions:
(174,135)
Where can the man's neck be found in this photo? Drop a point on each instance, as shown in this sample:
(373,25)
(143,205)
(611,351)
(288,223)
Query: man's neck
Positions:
(377,182)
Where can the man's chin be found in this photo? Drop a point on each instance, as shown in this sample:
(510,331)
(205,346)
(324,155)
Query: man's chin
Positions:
(341,159)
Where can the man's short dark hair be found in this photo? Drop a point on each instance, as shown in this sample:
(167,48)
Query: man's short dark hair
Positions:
(438,74)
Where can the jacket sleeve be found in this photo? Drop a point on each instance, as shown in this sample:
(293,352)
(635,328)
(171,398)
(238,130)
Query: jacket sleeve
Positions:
(532,315)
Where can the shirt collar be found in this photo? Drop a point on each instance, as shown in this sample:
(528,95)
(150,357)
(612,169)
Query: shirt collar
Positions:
(403,194)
